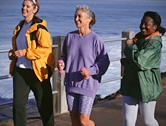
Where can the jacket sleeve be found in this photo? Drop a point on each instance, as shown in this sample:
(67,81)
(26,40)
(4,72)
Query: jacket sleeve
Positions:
(102,61)
(146,58)
(43,46)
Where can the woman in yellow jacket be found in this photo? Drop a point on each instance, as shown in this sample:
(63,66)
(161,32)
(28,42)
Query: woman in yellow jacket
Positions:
(32,64)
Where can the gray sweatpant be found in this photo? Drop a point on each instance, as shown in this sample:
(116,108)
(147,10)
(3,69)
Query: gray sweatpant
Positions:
(130,111)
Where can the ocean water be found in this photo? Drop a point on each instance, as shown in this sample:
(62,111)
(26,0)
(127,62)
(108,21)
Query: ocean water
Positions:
(113,17)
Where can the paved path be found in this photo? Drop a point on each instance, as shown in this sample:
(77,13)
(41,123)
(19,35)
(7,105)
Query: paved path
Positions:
(110,113)
(107,114)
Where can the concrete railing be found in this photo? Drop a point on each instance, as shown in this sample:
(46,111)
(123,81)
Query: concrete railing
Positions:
(59,96)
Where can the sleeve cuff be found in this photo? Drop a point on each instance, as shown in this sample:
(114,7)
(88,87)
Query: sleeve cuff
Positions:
(93,70)
(24,51)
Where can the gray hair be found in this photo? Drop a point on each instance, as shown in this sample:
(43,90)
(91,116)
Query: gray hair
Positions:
(84,8)
(88,11)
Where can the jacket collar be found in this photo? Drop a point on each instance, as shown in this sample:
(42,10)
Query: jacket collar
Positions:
(35,21)
(139,36)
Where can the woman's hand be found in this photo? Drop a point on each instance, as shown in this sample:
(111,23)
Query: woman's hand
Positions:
(85,73)
(11,55)
(129,42)
(61,66)
(19,53)
(15,54)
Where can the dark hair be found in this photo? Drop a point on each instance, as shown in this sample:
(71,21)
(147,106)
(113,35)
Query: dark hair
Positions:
(156,19)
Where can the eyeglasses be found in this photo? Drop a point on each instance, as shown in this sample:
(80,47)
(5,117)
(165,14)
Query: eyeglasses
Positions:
(147,23)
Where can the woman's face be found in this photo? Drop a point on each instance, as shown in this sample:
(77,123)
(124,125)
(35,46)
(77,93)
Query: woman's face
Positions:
(81,19)
(147,26)
(28,9)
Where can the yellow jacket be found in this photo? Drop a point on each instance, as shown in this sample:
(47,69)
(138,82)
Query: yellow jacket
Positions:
(39,49)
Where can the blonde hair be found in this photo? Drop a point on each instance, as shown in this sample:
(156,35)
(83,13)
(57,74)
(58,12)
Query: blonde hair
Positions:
(36,5)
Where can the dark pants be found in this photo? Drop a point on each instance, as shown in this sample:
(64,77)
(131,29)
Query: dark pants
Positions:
(25,80)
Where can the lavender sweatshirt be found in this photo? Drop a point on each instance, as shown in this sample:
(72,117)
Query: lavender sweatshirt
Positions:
(84,51)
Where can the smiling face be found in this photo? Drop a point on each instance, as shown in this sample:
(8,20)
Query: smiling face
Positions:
(28,9)
(81,19)
(147,26)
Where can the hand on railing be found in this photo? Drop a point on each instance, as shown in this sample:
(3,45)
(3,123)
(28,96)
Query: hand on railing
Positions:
(85,73)
(61,66)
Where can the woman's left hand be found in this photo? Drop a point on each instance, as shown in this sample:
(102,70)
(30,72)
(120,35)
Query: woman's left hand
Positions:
(18,53)
(85,73)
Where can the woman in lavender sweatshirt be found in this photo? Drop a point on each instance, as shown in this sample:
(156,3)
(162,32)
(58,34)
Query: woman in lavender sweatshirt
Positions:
(85,60)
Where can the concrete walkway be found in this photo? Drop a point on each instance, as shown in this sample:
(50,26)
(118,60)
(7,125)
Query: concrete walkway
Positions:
(107,114)
(110,114)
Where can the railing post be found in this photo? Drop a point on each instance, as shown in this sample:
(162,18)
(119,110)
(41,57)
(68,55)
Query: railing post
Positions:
(60,105)
(127,35)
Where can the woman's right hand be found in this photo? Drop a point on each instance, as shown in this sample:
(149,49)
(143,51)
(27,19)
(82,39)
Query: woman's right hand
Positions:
(61,66)
(129,42)
(11,55)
